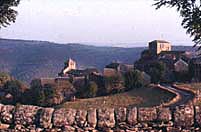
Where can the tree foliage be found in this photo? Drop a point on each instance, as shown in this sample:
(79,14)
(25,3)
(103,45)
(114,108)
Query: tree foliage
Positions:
(114,83)
(4,77)
(7,13)
(92,89)
(133,79)
(190,10)
(35,95)
(16,89)
(156,71)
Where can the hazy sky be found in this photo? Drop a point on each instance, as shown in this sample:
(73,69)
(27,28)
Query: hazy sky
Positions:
(113,22)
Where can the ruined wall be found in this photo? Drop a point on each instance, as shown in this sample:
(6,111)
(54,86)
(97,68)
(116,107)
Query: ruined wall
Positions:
(25,118)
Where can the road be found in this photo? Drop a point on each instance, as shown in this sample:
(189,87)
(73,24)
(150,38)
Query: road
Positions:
(185,96)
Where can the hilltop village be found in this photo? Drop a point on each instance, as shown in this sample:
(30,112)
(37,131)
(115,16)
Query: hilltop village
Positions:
(157,64)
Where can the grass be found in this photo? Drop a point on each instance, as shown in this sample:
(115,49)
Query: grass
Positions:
(193,86)
(142,97)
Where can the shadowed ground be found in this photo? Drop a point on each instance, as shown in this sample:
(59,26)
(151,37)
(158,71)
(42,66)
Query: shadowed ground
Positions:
(142,97)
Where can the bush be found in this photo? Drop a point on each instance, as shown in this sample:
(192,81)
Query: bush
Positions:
(157,72)
(92,89)
(133,79)
(114,83)
(16,89)
(35,94)
(4,77)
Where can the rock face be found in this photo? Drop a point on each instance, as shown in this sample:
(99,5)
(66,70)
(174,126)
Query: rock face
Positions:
(198,115)
(132,116)
(147,114)
(45,117)
(64,117)
(164,114)
(121,114)
(106,118)
(92,118)
(184,116)
(81,117)
(24,118)
(25,115)
(6,114)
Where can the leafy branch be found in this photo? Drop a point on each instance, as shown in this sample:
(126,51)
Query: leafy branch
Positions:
(7,13)
(190,11)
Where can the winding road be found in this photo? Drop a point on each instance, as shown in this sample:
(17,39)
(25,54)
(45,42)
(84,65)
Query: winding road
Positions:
(185,95)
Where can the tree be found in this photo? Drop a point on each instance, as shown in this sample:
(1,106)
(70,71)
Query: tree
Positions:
(16,89)
(35,95)
(156,71)
(7,13)
(92,89)
(4,77)
(114,83)
(190,10)
(133,79)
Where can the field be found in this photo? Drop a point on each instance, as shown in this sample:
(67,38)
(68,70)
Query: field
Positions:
(142,97)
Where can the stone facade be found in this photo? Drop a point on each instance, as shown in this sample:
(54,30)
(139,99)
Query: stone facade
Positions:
(69,65)
(181,66)
(157,46)
(24,118)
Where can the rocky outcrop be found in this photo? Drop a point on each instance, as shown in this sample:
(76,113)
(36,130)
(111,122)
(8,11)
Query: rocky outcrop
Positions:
(24,118)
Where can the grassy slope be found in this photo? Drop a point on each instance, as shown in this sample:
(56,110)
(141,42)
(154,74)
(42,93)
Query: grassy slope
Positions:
(143,97)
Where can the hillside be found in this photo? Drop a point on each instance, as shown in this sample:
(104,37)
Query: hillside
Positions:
(26,60)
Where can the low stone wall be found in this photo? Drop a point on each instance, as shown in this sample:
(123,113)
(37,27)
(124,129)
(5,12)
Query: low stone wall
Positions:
(24,118)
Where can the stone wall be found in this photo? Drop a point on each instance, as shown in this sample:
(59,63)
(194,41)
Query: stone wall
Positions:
(24,118)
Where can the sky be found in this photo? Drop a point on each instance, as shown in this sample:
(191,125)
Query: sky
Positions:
(126,23)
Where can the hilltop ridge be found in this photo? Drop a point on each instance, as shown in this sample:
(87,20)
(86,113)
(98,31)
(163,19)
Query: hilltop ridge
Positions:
(26,60)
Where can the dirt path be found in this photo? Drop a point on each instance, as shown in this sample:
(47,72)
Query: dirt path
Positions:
(185,95)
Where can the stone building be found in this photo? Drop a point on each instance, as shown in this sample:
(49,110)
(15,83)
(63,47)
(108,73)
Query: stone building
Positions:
(157,46)
(181,66)
(175,60)
(116,68)
(69,65)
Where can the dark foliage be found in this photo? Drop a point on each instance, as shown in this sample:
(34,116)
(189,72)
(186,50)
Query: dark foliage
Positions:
(182,76)
(133,79)
(4,77)
(190,10)
(7,13)
(156,71)
(90,90)
(16,89)
(114,84)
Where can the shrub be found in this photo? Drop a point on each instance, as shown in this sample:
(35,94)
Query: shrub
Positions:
(4,77)
(92,89)
(156,71)
(114,83)
(16,89)
(133,79)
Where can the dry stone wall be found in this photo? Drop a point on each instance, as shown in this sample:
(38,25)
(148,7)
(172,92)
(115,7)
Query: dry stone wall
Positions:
(26,118)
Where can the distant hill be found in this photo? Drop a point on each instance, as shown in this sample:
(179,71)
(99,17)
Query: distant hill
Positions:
(26,60)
